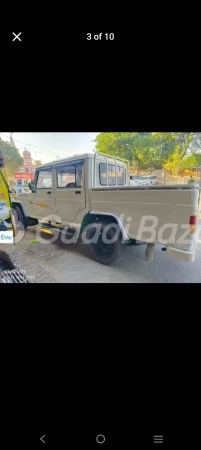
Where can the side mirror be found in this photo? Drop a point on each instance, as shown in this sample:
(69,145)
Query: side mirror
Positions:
(31,187)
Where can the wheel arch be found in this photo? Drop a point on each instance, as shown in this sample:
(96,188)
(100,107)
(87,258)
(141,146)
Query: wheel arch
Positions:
(92,216)
(20,204)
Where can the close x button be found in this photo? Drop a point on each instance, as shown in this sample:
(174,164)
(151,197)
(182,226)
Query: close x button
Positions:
(17,36)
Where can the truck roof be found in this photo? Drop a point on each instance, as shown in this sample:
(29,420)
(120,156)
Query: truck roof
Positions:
(70,158)
(78,157)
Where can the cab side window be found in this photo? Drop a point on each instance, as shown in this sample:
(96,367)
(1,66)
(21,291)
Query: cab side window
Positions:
(69,176)
(44,179)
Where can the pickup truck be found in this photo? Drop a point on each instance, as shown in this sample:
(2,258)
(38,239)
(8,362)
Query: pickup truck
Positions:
(89,197)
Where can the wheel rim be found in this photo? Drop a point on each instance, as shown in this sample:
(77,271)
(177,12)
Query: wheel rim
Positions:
(104,249)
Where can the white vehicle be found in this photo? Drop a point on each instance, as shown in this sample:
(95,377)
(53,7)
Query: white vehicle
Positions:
(152,179)
(133,181)
(138,180)
(144,182)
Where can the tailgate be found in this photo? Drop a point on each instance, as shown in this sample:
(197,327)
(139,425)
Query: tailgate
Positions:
(184,247)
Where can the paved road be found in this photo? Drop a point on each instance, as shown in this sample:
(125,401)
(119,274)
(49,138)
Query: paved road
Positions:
(73,264)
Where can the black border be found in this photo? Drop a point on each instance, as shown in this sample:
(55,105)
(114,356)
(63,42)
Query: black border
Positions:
(87,367)
(81,87)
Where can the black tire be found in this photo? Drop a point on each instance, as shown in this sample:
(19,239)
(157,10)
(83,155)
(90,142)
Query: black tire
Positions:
(106,253)
(5,259)
(21,217)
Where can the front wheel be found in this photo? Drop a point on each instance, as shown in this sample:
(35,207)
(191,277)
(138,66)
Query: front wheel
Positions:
(107,246)
(21,217)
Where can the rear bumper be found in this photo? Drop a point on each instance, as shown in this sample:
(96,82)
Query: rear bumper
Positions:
(183,255)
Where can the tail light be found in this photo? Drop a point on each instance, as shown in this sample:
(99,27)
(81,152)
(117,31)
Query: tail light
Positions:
(193,223)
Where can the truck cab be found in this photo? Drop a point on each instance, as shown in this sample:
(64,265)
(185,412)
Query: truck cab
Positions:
(61,189)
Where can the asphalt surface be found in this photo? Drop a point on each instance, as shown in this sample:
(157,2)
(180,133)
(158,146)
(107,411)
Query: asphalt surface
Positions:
(72,263)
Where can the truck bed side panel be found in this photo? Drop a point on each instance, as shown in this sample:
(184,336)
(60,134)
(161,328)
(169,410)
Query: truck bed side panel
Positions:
(165,205)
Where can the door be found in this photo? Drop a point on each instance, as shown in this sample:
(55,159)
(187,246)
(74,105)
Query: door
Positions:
(69,190)
(43,198)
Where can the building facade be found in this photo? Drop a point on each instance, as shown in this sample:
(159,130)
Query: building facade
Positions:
(29,166)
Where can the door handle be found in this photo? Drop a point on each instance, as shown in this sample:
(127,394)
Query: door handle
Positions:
(77,192)
(49,192)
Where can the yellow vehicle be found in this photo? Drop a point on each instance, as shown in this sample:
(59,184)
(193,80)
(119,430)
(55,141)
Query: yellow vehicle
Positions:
(5,204)
(5,201)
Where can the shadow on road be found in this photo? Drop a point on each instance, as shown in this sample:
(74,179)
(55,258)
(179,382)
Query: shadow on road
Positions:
(77,248)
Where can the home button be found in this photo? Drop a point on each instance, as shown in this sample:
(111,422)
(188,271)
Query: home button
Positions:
(100,439)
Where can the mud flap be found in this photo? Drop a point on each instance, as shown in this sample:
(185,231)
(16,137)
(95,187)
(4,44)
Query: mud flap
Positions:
(149,254)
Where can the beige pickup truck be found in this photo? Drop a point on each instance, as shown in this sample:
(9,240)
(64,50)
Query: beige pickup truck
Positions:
(89,197)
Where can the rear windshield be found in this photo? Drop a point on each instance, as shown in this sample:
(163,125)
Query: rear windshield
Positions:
(111,174)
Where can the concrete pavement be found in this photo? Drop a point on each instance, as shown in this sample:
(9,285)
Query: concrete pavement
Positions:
(70,263)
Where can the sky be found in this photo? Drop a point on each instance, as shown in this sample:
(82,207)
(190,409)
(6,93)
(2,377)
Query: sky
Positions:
(61,144)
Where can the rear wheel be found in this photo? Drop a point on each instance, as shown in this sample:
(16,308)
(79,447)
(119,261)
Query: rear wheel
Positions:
(106,252)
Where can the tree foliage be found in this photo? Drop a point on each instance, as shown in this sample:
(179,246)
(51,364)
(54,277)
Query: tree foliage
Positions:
(12,158)
(171,151)
(38,162)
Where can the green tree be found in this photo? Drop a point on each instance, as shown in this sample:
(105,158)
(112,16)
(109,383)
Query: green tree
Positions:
(148,149)
(118,144)
(198,159)
(173,162)
(38,162)
(152,149)
(189,161)
(124,145)
(14,160)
